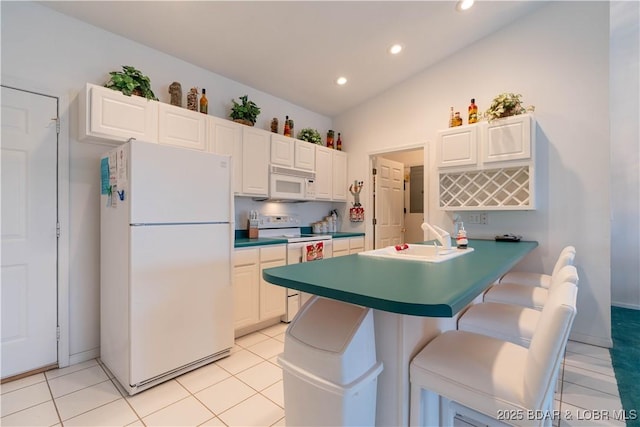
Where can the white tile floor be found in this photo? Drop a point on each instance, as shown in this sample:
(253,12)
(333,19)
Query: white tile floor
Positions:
(244,389)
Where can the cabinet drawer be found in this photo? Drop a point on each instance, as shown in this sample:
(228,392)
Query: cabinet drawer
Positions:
(273,253)
(245,257)
(340,245)
(356,243)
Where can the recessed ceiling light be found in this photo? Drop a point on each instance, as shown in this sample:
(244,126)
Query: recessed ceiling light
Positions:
(395,49)
(341,81)
(464,5)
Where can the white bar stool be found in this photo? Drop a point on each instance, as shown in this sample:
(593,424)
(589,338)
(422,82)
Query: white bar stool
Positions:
(491,379)
(566,257)
(529,296)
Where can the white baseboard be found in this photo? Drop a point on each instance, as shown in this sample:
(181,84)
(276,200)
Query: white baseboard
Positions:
(626,305)
(84,356)
(606,342)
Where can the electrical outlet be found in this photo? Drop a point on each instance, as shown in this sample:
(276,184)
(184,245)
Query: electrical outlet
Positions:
(478,218)
(484,218)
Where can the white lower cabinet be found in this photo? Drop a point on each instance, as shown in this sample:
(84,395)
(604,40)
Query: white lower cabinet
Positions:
(246,287)
(340,247)
(356,244)
(256,300)
(273,298)
(347,246)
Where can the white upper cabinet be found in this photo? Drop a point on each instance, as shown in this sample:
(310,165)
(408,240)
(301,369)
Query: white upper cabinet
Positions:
(324,173)
(305,155)
(282,150)
(292,153)
(109,115)
(339,168)
(255,167)
(181,127)
(331,174)
(488,165)
(458,146)
(508,139)
(225,137)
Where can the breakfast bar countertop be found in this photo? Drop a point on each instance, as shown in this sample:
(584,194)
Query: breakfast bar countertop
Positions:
(405,287)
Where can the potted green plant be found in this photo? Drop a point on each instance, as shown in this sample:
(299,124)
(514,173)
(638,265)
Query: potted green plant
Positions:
(310,135)
(505,105)
(131,81)
(246,112)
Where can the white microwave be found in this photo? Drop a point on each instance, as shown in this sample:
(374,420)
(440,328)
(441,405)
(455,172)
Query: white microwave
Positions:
(291,184)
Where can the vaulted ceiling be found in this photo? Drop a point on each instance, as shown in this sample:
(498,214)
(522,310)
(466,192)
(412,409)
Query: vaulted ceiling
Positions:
(295,50)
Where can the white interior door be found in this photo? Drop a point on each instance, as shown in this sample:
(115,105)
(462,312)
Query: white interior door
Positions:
(29,242)
(389,202)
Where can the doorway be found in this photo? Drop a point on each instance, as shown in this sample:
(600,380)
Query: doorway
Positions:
(30,231)
(411,161)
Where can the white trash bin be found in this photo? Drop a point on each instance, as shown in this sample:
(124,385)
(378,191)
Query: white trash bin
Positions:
(329,365)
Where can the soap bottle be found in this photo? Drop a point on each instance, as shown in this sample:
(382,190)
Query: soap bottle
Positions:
(461,238)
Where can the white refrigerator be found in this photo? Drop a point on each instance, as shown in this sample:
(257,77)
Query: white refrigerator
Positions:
(166,236)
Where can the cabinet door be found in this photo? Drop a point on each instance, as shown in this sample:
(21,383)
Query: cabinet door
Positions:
(225,137)
(273,298)
(282,151)
(356,244)
(246,287)
(181,127)
(305,155)
(339,167)
(323,173)
(457,146)
(108,114)
(508,139)
(255,161)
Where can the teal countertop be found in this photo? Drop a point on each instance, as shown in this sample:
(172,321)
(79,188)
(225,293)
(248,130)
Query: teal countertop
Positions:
(245,242)
(405,287)
(242,241)
(343,234)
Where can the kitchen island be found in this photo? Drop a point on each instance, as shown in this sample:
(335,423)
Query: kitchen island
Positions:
(413,301)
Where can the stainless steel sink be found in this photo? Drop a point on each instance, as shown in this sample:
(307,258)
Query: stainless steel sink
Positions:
(416,252)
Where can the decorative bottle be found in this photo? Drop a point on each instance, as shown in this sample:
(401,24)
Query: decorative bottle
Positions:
(204,103)
(192,99)
(330,139)
(473,111)
(451,118)
(457,120)
(274,125)
(287,129)
(291,132)
(339,143)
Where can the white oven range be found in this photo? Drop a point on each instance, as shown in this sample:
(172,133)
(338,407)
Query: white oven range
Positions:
(300,248)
